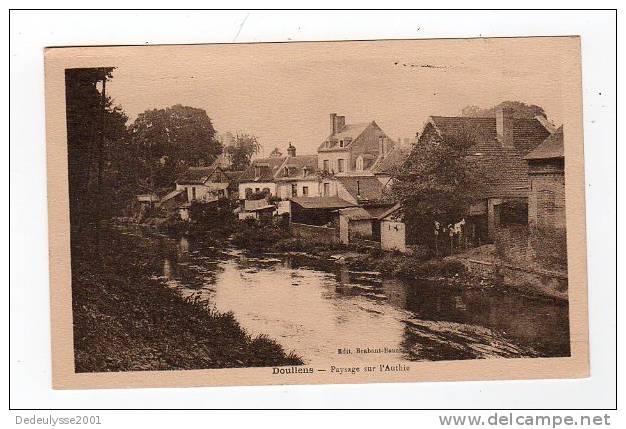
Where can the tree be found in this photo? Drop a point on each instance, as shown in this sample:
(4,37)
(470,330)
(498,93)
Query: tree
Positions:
(520,110)
(97,143)
(241,150)
(437,183)
(171,139)
(276,153)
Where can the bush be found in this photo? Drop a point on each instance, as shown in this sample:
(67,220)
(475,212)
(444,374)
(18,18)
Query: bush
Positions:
(549,246)
(254,235)
(215,216)
(421,252)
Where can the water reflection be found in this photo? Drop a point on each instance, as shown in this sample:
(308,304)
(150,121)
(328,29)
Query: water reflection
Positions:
(315,308)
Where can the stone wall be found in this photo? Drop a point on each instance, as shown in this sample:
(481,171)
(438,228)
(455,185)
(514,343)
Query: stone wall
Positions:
(314,233)
(546,282)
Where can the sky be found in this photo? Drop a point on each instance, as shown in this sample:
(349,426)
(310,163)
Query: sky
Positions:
(284,92)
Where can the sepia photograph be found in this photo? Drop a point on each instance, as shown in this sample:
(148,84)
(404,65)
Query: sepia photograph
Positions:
(322,211)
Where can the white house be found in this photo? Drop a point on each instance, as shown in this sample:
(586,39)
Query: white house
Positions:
(204,183)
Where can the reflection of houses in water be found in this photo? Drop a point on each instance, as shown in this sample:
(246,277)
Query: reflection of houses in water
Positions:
(168,272)
(183,246)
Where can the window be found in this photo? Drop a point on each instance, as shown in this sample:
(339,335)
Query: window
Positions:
(257,189)
(220,193)
(359,163)
(193,192)
(266,191)
(294,189)
(248,192)
(326,165)
(340,143)
(514,212)
(305,191)
(326,189)
(341,165)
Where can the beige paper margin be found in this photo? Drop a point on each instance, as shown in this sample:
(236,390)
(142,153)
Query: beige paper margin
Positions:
(63,375)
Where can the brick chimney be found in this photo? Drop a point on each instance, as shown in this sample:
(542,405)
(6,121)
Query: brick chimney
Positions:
(291,150)
(336,123)
(504,126)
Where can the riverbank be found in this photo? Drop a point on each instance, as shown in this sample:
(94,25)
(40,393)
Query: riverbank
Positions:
(127,320)
(450,271)
(453,271)
(274,239)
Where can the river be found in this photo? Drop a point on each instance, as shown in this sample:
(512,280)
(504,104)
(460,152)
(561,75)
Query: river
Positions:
(321,310)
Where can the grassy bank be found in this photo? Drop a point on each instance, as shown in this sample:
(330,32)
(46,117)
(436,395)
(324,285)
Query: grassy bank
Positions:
(270,238)
(126,321)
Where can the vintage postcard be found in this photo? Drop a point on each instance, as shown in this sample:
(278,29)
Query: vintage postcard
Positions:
(316,212)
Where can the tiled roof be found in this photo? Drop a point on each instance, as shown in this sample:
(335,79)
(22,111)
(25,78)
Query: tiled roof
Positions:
(552,147)
(379,212)
(295,166)
(505,168)
(268,169)
(392,160)
(172,194)
(363,188)
(234,175)
(321,202)
(348,131)
(355,213)
(196,175)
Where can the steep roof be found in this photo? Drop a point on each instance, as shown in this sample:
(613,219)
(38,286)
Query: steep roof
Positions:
(321,202)
(505,168)
(268,167)
(196,175)
(550,148)
(348,131)
(294,166)
(234,175)
(392,160)
(172,194)
(363,188)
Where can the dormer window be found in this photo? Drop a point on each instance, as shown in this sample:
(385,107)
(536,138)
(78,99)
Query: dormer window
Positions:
(359,163)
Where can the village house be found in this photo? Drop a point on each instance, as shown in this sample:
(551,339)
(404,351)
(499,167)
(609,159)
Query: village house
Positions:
(371,191)
(297,176)
(499,147)
(546,173)
(351,147)
(315,189)
(260,177)
(204,183)
(387,165)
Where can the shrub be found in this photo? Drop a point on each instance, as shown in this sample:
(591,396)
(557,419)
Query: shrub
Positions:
(215,216)
(549,246)
(252,234)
